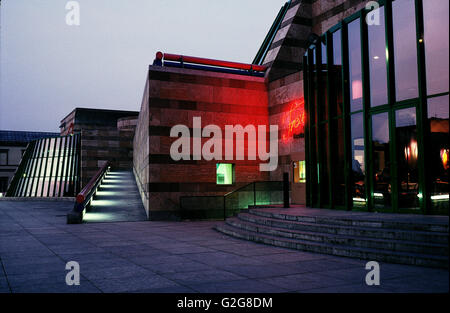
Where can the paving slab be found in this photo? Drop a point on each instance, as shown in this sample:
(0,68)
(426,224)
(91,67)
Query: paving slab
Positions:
(169,257)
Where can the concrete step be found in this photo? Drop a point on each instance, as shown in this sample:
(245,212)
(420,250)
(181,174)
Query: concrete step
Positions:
(311,225)
(413,224)
(338,250)
(354,241)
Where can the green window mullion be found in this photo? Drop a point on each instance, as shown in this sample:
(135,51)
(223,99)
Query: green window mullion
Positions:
(33,168)
(313,167)
(63,167)
(49,140)
(41,157)
(393,153)
(307,126)
(57,167)
(423,129)
(346,117)
(329,47)
(69,167)
(366,109)
(319,104)
(51,167)
(77,176)
(391,101)
(24,178)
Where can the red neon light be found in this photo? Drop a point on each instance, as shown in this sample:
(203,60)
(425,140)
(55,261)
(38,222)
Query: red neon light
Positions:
(221,63)
(293,120)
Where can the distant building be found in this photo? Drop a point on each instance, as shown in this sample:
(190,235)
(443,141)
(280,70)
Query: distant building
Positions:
(12,146)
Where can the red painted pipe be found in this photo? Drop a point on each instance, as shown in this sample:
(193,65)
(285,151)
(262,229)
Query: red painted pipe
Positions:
(204,61)
(84,192)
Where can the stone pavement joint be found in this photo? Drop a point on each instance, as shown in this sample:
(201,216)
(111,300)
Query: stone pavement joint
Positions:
(165,257)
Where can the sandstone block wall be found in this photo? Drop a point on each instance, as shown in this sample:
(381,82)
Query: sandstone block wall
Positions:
(175,96)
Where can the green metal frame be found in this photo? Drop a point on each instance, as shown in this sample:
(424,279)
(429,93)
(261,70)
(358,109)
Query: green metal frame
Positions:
(31,174)
(313,74)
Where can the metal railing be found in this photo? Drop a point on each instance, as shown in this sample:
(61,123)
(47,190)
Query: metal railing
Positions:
(190,62)
(255,193)
(85,196)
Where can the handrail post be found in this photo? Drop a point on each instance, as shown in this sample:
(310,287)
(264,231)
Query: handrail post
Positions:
(254,193)
(224,209)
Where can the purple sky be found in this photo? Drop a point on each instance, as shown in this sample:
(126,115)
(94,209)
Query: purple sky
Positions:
(48,68)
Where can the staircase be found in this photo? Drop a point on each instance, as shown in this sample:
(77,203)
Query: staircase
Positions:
(394,238)
(116,200)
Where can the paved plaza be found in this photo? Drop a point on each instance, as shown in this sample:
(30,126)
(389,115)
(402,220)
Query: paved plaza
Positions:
(173,257)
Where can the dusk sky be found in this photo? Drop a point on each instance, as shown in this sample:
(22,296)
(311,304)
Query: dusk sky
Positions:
(48,67)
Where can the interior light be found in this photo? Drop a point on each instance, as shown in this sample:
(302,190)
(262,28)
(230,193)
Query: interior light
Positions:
(378,194)
(440,197)
(376,57)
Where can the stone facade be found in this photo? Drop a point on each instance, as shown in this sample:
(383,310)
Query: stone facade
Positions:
(303,18)
(106,135)
(175,96)
(285,106)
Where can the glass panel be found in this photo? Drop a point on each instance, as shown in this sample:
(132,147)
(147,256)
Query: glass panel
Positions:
(436,24)
(407,154)
(405,49)
(224,173)
(324,51)
(323,84)
(354,48)
(377,62)
(336,76)
(337,56)
(337,161)
(438,116)
(358,166)
(381,161)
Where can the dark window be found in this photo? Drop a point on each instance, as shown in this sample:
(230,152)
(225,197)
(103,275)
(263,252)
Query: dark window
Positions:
(3,184)
(337,160)
(324,190)
(377,62)
(405,49)
(3,157)
(436,24)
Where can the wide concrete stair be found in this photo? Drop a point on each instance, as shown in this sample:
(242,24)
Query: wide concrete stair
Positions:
(423,243)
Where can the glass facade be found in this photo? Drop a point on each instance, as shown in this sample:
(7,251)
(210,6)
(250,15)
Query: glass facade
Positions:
(381,92)
(50,167)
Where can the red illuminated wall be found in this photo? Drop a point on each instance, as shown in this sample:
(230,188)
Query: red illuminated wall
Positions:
(175,96)
(286,108)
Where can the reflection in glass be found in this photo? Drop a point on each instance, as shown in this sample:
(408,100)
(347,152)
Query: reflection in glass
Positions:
(405,49)
(377,62)
(407,158)
(338,161)
(336,76)
(358,166)
(354,48)
(381,161)
(436,24)
(438,117)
